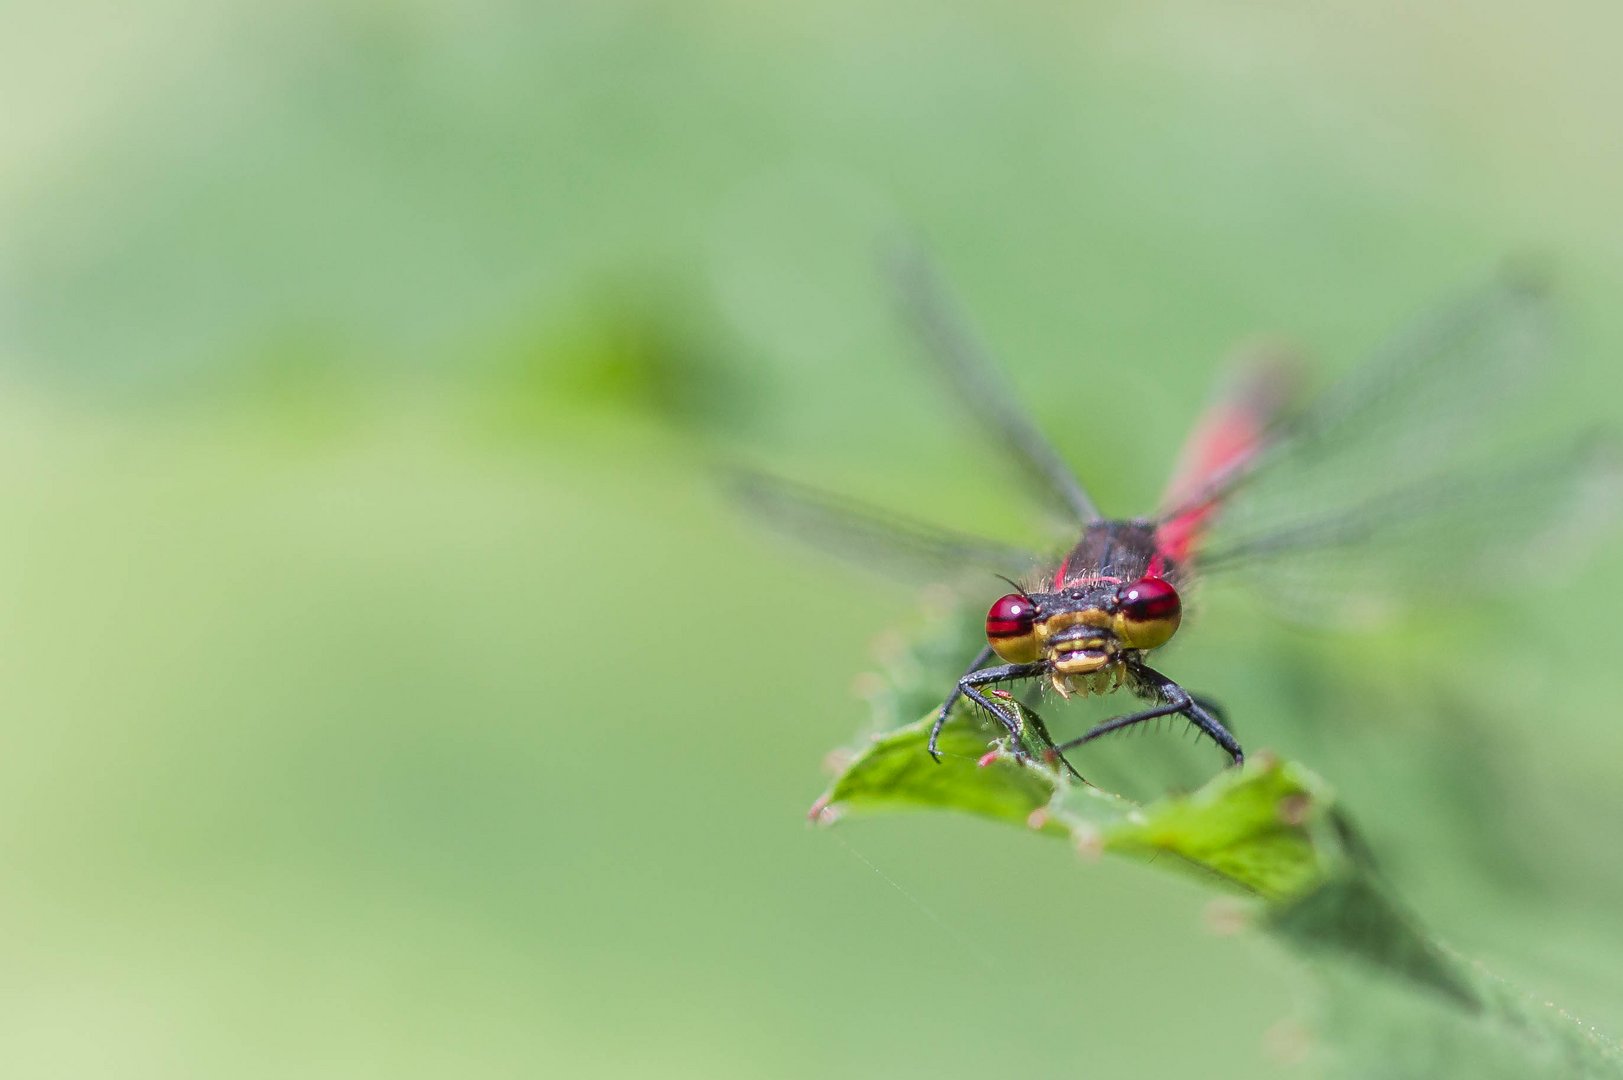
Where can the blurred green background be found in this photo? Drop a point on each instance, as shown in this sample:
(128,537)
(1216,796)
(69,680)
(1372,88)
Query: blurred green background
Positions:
(386,690)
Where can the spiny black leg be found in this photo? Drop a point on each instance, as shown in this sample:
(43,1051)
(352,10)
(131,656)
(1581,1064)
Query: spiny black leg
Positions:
(1215,709)
(1212,726)
(1220,714)
(1175,699)
(1121,722)
(1052,753)
(1201,713)
(1017,731)
(968,686)
(998,712)
(946,707)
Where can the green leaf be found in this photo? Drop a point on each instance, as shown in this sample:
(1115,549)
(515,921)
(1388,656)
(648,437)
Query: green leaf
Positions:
(1398,1004)
(895,771)
(1264,830)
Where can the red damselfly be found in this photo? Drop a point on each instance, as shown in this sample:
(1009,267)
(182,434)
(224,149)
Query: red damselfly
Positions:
(1385,484)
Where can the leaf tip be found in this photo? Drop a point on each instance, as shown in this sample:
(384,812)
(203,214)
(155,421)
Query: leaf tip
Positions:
(1089,841)
(823,812)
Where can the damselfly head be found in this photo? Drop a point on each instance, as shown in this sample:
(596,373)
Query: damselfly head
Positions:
(1081,630)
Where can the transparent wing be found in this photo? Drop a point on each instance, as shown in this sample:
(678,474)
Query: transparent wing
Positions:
(1426,401)
(1519,526)
(875,538)
(1408,474)
(967,368)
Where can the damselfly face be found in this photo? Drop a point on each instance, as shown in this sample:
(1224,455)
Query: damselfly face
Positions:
(1086,632)
(1085,629)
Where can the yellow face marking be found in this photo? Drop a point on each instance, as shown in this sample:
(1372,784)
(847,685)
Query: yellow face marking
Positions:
(1064,620)
(1080,660)
(1081,654)
(1100,681)
(1084,663)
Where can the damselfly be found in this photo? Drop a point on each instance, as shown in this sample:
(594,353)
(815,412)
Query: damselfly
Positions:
(1385,484)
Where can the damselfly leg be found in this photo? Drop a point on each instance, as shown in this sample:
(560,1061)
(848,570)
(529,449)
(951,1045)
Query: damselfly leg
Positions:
(952,699)
(1175,700)
(1012,716)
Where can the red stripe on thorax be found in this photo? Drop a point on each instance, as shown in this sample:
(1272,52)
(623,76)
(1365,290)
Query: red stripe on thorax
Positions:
(1231,431)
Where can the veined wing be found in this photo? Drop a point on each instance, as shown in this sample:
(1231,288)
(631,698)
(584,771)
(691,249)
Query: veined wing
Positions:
(1404,475)
(1521,524)
(969,372)
(1424,401)
(874,537)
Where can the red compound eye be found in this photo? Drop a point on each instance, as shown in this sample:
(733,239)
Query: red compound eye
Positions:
(1010,616)
(1009,626)
(1147,613)
(1149,598)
